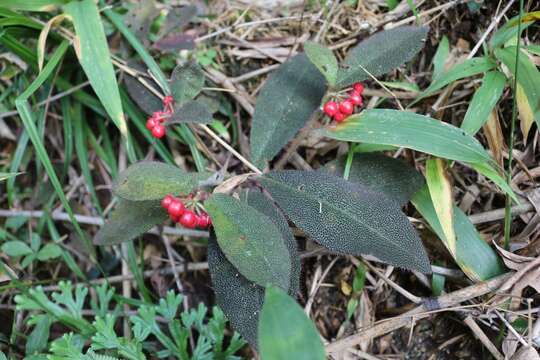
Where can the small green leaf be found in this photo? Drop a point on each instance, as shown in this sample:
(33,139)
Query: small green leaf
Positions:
(323,59)
(332,212)
(437,284)
(38,338)
(286,102)
(462,70)
(93,53)
(440,57)
(151,180)
(483,101)
(473,255)
(49,251)
(285,332)
(352,304)
(381,53)
(413,131)
(192,112)
(16,248)
(187,82)
(392,177)
(510,30)
(32,5)
(129,220)
(359,278)
(528,76)
(250,240)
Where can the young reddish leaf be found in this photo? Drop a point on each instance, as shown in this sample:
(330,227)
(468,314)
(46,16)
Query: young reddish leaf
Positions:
(151,180)
(129,220)
(286,102)
(381,53)
(250,240)
(347,218)
(392,177)
(187,82)
(285,332)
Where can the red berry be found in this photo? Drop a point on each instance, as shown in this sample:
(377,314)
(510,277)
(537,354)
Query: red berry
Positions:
(166,201)
(174,218)
(358,87)
(151,123)
(339,117)
(176,208)
(168,100)
(203,221)
(158,131)
(346,107)
(356,99)
(188,219)
(330,108)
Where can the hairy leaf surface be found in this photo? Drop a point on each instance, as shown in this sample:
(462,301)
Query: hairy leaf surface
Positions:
(250,240)
(152,180)
(347,218)
(187,82)
(286,102)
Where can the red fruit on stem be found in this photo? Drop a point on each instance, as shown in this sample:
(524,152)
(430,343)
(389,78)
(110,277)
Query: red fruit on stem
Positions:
(358,87)
(346,107)
(188,219)
(166,201)
(203,221)
(176,208)
(151,123)
(339,117)
(174,218)
(158,131)
(356,99)
(168,100)
(330,108)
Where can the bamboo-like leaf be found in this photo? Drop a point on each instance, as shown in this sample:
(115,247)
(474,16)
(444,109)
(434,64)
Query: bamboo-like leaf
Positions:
(473,255)
(332,212)
(129,220)
(5,176)
(483,101)
(42,40)
(440,190)
(381,53)
(410,130)
(32,5)
(392,177)
(286,102)
(250,241)
(93,53)
(462,70)
(285,332)
(528,77)
(152,180)
(440,57)
(323,59)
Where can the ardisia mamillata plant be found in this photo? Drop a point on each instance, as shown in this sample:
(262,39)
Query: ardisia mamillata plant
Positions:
(350,206)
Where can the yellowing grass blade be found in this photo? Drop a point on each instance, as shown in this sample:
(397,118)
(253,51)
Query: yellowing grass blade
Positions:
(526,114)
(440,190)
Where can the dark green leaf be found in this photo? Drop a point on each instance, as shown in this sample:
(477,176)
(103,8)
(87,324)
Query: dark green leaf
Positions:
(323,59)
(192,112)
(151,180)
(381,53)
(145,99)
(333,212)
(528,76)
(187,82)
(286,102)
(250,240)
(240,299)
(473,255)
(392,177)
(16,248)
(129,220)
(263,204)
(410,130)
(285,332)
(483,101)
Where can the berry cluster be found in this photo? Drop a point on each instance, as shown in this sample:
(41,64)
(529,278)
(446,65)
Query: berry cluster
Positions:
(180,214)
(340,111)
(155,123)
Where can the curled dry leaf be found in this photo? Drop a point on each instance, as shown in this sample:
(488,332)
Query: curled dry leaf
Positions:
(230,184)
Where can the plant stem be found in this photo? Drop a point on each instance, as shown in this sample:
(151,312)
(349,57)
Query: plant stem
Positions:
(507,208)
